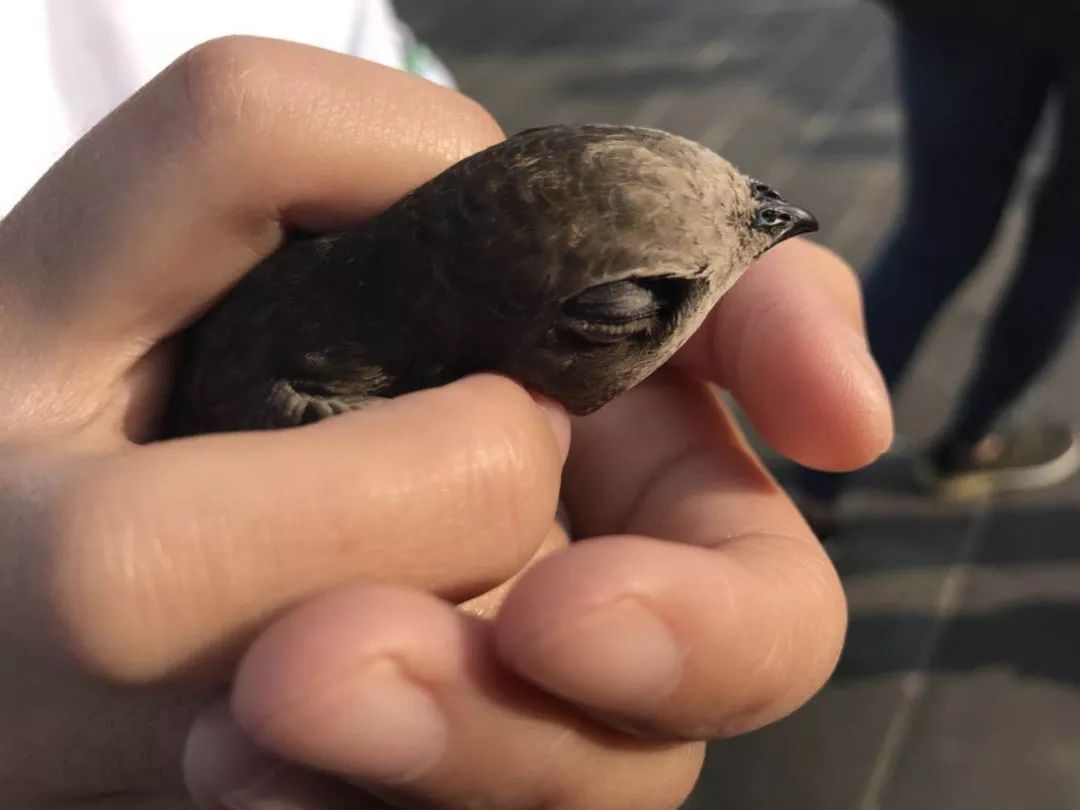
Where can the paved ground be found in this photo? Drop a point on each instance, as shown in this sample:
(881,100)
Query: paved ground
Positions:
(960,685)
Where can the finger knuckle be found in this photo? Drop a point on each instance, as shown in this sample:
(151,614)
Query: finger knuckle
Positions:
(791,665)
(223,82)
(101,596)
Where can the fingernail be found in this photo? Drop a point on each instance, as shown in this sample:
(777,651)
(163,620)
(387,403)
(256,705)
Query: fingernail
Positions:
(618,657)
(390,729)
(559,419)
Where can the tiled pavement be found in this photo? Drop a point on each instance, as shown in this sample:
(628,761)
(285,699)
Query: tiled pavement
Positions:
(960,684)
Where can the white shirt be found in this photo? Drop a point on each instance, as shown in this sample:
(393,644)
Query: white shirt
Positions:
(65,64)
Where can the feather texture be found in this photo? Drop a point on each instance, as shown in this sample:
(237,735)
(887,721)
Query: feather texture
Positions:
(500,263)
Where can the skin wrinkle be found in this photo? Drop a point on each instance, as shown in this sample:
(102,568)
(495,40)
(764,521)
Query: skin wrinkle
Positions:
(250,97)
(751,322)
(811,569)
(500,471)
(632,594)
(765,669)
(761,673)
(752,532)
(512,465)
(266,727)
(520,497)
(218,124)
(683,454)
(687,459)
(487,489)
(258,230)
(489,465)
(335,552)
(131,555)
(107,572)
(535,777)
(666,469)
(216,89)
(72,535)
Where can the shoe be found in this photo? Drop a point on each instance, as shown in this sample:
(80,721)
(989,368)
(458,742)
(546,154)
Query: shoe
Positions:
(1005,461)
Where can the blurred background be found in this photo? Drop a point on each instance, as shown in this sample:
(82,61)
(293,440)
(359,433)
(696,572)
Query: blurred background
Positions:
(960,684)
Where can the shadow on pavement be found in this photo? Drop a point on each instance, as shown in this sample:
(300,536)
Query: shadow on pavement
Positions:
(1036,640)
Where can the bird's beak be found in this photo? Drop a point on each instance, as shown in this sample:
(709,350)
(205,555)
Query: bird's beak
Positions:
(779,218)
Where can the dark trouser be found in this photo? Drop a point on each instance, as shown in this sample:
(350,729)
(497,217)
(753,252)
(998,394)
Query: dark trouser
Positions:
(971,106)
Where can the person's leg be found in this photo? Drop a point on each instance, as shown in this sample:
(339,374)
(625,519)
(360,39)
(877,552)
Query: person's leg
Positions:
(970,109)
(970,113)
(1025,334)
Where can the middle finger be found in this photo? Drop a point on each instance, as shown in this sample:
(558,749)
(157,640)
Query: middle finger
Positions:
(176,552)
(403,694)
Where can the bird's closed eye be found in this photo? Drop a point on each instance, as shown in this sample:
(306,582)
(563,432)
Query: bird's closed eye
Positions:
(618,302)
(611,312)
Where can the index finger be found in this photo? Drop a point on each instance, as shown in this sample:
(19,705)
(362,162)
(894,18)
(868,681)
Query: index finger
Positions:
(183,188)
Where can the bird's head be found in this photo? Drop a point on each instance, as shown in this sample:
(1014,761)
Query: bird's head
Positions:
(642,232)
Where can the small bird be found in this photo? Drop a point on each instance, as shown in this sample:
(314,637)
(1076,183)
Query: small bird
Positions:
(575,260)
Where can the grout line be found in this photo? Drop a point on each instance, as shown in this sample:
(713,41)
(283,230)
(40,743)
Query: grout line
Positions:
(913,686)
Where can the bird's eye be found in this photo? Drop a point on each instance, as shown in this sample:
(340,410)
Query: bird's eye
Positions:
(612,312)
(615,303)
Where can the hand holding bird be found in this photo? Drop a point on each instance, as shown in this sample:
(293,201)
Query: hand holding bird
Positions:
(256,618)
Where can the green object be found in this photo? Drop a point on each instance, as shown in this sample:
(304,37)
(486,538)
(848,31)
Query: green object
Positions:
(421,61)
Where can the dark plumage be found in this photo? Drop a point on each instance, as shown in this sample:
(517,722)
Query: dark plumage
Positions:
(574,259)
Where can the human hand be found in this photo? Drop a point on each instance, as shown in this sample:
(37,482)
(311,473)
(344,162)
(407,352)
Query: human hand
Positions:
(697,605)
(137,574)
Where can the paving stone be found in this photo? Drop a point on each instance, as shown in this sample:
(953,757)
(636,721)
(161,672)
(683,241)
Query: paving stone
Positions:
(999,724)
(991,740)
(822,757)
